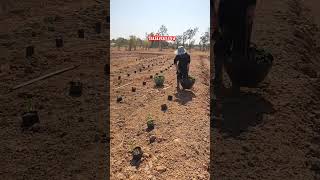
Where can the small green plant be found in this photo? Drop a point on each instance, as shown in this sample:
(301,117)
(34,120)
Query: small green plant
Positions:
(29,105)
(49,19)
(131,145)
(150,122)
(159,80)
(263,56)
(149,118)
(192,78)
(51,28)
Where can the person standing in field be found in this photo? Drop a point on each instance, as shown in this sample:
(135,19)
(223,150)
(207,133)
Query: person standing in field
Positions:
(232,25)
(181,61)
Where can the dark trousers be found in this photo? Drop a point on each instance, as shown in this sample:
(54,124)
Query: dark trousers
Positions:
(233,41)
(182,73)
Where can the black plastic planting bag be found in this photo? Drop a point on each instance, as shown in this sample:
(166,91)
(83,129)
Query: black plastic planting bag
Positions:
(187,83)
(251,71)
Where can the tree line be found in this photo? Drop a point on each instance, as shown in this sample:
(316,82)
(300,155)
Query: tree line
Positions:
(186,39)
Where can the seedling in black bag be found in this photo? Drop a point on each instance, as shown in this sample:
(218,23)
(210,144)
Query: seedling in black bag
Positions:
(30,117)
(150,123)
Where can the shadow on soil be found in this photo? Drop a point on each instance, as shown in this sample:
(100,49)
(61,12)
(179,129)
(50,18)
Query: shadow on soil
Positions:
(184,96)
(158,87)
(241,113)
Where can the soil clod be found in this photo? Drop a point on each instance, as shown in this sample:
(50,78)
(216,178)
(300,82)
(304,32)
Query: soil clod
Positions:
(164,107)
(29,51)
(152,139)
(81,33)
(75,88)
(119,99)
(59,42)
(161,169)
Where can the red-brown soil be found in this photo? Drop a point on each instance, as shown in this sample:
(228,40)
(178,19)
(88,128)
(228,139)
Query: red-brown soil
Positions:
(273,132)
(181,148)
(69,141)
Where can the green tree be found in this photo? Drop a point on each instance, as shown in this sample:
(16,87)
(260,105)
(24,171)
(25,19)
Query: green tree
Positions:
(178,40)
(204,39)
(152,44)
(132,43)
(163,31)
(191,43)
(184,37)
(190,33)
(146,42)
(139,43)
(121,42)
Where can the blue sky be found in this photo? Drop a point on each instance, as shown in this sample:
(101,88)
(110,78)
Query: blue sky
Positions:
(136,17)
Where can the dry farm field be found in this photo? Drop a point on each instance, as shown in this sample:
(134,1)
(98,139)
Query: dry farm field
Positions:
(178,146)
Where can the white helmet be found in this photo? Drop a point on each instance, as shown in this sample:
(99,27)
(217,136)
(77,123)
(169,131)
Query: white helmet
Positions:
(181,50)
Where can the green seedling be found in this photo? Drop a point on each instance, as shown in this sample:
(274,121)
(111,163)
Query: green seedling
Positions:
(150,122)
(159,80)
(29,105)
(192,78)
(131,145)
(30,117)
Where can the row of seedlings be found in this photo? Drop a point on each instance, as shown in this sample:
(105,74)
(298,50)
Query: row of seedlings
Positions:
(137,152)
(133,89)
(59,40)
(31,116)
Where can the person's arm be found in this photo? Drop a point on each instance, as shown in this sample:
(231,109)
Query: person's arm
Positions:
(189,59)
(215,14)
(175,61)
(215,20)
(251,10)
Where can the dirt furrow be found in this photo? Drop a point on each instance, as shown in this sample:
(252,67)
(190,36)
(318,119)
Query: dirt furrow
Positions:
(181,152)
(265,133)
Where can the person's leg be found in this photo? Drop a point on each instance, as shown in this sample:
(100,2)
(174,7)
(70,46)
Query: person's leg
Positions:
(187,73)
(250,14)
(242,39)
(221,50)
(178,80)
(218,62)
(184,75)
